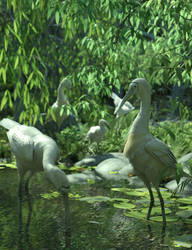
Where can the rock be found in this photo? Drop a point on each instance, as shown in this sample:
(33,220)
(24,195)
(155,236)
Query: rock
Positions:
(114,169)
(95,160)
(173,186)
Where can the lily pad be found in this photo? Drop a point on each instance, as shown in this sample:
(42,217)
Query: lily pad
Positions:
(119,199)
(8,165)
(123,190)
(169,218)
(184,213)
(93,199)
(50,196)
(135,214)
(124,205)
(156,211)
(185,200)
(183,241)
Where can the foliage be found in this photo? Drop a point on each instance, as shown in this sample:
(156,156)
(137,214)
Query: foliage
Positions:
(97,44)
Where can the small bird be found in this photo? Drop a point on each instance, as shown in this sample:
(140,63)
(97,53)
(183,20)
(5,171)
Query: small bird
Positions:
(151,158)
(56,108)
(96,133)
(34,152)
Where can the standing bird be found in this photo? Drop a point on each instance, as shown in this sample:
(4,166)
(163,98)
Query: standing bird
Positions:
(58,107)
(151,158)
(96,133)
(34,152)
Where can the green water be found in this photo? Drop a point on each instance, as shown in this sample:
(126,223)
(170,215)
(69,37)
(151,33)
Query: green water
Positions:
(40,223)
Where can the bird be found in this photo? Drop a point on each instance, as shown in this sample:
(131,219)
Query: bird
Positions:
(34,152)
(125,109)
(151,158)
(96,133)
(57,109)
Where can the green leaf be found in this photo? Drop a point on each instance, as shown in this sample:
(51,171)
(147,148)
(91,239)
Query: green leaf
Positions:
(93,199)
(124,205)
(184,240)
(57,17)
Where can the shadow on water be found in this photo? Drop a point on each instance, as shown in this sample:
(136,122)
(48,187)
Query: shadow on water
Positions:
(39,221)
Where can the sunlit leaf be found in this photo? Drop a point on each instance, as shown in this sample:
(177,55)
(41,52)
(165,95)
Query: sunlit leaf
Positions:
(184,240)
(124,205)
(93,199)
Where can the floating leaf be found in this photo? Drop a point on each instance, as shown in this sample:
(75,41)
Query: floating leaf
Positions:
(156,211)
(8,165)
(169,218)
(183,241)
(124,205)
(93,199)
(135,214)
(185,200)
(119,199)
(50,195)
(184,213)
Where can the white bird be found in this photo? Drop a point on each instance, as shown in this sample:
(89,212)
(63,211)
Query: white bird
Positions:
(34,152)
(96,133)
(152,159)
(125,109)
(61,100)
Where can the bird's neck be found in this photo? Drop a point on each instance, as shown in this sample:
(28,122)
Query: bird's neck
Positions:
(50,155)
(61,98)
(141,122)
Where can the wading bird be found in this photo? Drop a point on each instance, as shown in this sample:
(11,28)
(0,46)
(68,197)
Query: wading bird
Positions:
(34,152)
(125,109)
(60,115)
(96,133)
(151,158)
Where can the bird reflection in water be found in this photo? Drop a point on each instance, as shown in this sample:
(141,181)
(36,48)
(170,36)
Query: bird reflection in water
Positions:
(23,228)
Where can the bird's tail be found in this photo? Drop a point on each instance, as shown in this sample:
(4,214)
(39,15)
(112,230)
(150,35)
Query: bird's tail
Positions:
(8,123)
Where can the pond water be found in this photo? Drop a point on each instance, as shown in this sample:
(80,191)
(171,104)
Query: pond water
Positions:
(45,220)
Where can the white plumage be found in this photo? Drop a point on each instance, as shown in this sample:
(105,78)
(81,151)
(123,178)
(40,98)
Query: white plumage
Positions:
(61,100)
(96,133)
(34,152)
(125,109)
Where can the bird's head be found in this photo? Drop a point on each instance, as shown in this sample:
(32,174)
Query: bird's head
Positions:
(138,86)
(66,83)
(103,122)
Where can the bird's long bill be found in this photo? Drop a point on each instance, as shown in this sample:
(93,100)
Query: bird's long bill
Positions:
(107,124)
(128,94)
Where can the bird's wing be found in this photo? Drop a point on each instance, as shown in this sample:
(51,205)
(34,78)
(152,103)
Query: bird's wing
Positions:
(116,99)
(160,151)
(128,106)
(21,144)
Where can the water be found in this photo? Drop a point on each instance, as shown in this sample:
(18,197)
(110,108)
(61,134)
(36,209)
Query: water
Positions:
(58,223)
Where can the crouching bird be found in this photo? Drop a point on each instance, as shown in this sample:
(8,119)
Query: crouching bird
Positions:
(151,158)
(34,152)
(96,133)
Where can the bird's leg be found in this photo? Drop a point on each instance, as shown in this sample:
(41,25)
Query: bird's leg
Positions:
(162,205)
(151,201)
(27,183)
